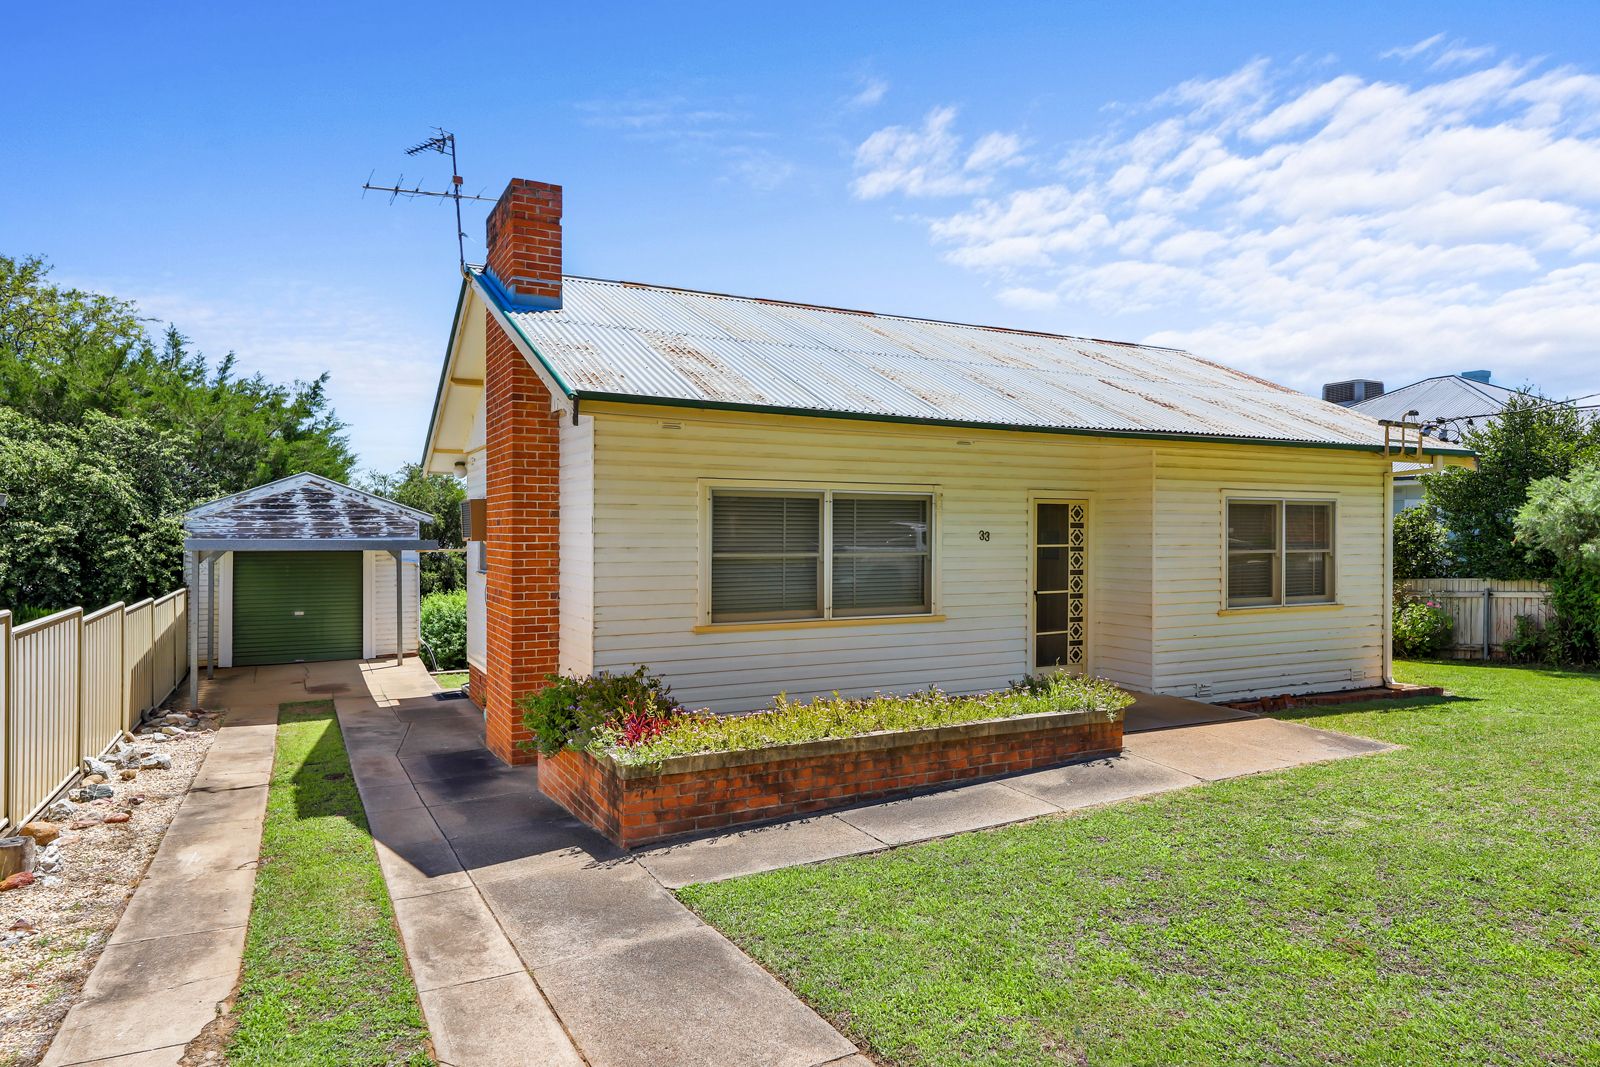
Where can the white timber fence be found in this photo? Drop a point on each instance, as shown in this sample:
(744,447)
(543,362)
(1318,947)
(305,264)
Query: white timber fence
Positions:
(1485,610)
(71,682)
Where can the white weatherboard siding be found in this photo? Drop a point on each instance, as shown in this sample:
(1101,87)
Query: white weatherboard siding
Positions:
(200,608)
(1155,558)
(650,482)
(576,548)
(377,583)
(1214,654)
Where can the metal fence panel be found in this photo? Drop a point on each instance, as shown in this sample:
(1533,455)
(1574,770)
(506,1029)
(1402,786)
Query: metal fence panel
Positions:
(70,683)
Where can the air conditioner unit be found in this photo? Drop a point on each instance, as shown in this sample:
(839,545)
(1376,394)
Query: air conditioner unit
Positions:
(1352,392)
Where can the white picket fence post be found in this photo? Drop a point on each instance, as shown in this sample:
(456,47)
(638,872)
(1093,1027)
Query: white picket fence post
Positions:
(70,683)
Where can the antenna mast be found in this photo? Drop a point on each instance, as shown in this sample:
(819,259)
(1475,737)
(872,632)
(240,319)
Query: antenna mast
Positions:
(443,142)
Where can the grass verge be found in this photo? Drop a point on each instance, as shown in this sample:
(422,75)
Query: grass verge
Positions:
(324,978)
(1438,904)
(451,679)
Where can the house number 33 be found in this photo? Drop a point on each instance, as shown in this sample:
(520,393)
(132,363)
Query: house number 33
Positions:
(983,535)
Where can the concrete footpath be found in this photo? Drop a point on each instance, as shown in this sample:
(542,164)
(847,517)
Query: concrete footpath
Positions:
(173,959)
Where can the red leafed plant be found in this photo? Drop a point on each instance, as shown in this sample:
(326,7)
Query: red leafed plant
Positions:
(639,725)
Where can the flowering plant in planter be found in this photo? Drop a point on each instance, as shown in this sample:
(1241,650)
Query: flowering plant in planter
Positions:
(648,733)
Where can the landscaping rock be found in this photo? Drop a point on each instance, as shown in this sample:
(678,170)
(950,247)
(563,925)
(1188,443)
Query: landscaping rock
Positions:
(16,855)
(42,832)
(61,811)
(94,765)
(161,760)
(92,791)
(128,774)
(93,779)
(119,816)
(17,881)
(137,798)
(49,860)
(172,731)
(82,824)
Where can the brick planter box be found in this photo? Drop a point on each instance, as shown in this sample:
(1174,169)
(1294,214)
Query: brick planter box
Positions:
(637,805)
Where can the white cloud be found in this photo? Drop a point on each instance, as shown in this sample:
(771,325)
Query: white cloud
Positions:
(1302,228)
(871,93)
(929,160)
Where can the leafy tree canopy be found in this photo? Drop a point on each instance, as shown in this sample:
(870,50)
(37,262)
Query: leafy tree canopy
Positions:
(108,433)
(440,495)
(1531,439)
(1421,545)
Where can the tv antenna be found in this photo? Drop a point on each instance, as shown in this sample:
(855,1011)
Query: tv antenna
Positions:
(443,142)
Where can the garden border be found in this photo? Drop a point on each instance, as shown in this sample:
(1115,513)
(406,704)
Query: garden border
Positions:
(638,804)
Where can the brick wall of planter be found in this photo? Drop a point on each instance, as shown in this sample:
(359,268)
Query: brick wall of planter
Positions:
(693,794)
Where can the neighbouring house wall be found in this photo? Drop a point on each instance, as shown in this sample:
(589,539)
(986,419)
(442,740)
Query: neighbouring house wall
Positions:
(377,584)
(1203,650)
(647,544)
(521,590)
(577,546)
(477,615)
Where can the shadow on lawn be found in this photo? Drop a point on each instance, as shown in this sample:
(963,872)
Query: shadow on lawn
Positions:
(323,785)
(1385,707)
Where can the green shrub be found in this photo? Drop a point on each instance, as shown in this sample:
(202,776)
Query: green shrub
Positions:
(1421,628)
(1421,545)
(568,711)
(1562,518)
(444,628)
(643,739)
(1528,642)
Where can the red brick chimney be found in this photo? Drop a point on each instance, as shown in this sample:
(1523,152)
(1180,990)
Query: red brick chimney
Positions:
(524,243)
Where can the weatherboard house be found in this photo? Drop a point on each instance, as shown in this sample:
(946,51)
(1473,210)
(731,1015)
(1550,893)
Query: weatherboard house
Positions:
(758,496)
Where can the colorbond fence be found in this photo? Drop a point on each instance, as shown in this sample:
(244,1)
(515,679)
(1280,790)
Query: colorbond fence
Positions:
(1485,611)
(70,683)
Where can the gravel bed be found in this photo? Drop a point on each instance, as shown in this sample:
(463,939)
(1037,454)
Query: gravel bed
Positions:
(52,931)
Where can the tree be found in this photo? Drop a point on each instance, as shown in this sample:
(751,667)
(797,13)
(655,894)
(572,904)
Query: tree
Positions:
(1421,545)
(91,515)
(66,353)
(439,495)
(1562,517)
(1530,439)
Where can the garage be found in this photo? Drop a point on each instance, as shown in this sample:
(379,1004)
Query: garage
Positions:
(301,570)
(296,606)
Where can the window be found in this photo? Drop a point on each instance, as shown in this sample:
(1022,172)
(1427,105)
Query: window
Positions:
(819,555)
(1279,552)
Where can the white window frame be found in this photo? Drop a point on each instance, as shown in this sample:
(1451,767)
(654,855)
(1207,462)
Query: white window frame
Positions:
(827,491)
(1280,597)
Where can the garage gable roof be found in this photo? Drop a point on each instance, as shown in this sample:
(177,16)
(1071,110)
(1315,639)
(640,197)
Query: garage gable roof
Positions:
(304,507)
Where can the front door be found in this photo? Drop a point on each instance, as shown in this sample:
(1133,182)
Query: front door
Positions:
(1060,585)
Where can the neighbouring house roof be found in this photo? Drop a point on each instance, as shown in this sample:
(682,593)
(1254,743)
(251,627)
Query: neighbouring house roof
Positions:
(1448,396)
(627,342)
(304,511)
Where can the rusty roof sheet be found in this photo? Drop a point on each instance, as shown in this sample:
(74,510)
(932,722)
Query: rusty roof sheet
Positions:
(621,340)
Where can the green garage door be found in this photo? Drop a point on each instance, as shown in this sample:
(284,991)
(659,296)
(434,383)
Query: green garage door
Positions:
(291,606)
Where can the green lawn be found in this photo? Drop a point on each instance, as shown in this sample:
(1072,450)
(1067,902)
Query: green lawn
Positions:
(324,978)
(1438,904)
(452,680)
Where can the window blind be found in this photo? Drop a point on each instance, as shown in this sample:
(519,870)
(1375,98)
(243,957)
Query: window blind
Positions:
(766,558)
(881,558)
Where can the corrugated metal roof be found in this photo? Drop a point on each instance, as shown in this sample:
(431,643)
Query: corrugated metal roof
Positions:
(624,341)
(1447,397)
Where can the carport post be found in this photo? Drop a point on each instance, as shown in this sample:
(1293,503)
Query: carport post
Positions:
(211,615)
(400,609)
(194,635)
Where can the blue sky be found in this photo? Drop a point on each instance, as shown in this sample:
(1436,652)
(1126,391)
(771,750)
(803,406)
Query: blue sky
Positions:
(1307,192)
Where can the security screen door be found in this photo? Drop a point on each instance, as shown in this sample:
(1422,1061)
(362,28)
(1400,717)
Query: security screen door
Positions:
(1060,585)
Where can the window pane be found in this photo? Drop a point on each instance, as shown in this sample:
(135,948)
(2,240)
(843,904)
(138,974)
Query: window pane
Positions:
(1250,577)
(880,584)
(1306,575)
(1252,524)
(1052,524)
(1052,568)
(1308,526)
(1051,613)
(880,523)
(765,524)
(747,588)
(1050,650)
